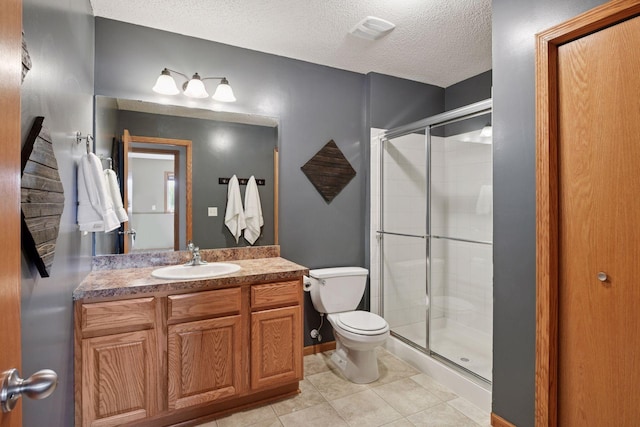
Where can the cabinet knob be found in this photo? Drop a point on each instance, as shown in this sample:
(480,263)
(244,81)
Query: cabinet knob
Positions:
(602,276)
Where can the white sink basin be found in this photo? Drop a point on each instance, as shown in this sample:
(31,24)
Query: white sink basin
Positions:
(187,272)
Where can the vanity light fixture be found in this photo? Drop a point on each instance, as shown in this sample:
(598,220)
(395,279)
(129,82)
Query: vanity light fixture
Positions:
(194,87)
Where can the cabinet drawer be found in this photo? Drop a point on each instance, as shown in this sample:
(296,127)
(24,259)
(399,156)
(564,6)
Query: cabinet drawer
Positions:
(275,294)
(132,314)
(204,304)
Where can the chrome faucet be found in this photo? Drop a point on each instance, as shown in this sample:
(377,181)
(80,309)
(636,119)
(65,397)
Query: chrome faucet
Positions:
(195,255)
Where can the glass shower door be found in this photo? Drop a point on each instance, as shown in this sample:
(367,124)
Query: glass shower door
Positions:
(403,237)
(461,230)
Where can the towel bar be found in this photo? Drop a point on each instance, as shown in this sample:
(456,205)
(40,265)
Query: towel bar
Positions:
(241,181)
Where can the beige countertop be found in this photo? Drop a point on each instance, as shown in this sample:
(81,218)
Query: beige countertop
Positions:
(101,284)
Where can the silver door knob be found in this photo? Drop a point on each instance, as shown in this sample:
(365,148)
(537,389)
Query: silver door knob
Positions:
(602,276)
(38,386)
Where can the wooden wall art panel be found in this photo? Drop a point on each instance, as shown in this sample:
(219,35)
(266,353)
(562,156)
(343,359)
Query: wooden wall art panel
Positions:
(329,171)
(42,198)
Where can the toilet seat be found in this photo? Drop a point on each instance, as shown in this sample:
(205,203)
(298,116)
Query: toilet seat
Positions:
(360,322)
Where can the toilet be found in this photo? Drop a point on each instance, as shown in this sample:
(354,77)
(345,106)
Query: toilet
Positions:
(337,292)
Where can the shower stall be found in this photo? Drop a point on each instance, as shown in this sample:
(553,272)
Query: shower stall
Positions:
(431,237)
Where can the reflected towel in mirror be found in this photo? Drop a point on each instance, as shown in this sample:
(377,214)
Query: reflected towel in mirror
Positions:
(234,214)
(111,180)
(252,211)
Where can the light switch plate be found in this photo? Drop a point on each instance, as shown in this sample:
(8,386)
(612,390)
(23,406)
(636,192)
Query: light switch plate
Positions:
(212,211)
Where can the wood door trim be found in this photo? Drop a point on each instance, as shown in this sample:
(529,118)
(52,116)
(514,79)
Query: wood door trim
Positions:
(187,144)
(10,54)
(276,194)
(547,43)
(498,421)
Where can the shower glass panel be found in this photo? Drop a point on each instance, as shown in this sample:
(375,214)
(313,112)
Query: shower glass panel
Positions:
(461,230)
(435,236)
(403,241)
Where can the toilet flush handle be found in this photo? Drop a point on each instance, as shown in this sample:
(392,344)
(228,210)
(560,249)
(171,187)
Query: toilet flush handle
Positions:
(306,283)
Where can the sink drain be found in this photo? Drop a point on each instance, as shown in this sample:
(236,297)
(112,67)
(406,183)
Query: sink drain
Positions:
(464,359)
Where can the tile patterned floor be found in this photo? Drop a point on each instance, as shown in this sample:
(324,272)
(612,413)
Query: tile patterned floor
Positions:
(401,397)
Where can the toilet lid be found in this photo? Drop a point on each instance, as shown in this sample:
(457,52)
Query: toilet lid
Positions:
(362,322)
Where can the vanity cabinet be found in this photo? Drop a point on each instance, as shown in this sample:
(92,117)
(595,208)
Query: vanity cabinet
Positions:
(204,356)
(119,362)
(174,357)
(276,334)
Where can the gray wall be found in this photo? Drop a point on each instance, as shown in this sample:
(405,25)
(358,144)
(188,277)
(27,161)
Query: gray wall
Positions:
(313,103)
(473,89)
(514,25)
(392,101)
(220,149)
(59,87)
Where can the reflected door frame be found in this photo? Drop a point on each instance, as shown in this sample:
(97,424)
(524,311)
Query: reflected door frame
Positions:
(164,144)
(177,173)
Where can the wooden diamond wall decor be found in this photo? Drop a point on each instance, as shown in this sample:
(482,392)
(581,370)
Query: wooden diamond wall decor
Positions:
(42,198)
(329,171)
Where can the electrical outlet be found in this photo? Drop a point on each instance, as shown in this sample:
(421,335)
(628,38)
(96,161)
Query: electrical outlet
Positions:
(212,211)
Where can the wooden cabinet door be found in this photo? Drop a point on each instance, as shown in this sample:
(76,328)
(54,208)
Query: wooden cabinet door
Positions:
(204,361)
(119,377)
(276,347)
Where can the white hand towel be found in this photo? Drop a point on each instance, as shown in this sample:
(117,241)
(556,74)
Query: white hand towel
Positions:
(111,180)
(252,211)
(234,215)
(95,209)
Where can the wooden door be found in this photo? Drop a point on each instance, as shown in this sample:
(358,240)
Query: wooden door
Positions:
(119,375)
(276,346)
(588,338)
(204,361)
(599,205)
(10,54)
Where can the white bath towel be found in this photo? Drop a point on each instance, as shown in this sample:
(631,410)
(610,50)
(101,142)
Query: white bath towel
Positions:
(95,209)
(234,214)
(111,181)
(252,212)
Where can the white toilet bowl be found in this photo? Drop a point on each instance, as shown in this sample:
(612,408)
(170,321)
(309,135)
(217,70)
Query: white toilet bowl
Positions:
(337,292)
(357,334)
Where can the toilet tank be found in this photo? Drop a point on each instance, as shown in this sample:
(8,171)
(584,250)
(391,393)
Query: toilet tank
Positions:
(337,289)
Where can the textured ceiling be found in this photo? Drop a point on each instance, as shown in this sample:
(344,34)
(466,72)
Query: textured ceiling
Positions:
(440,42)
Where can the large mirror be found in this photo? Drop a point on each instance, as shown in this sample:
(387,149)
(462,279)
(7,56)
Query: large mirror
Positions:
(172,167)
